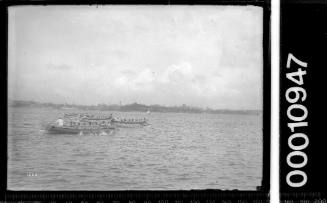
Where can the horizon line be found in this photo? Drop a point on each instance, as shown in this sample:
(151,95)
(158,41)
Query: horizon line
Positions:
(89,105)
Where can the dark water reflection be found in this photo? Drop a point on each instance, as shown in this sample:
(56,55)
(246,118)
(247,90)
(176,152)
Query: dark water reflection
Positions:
(177,151)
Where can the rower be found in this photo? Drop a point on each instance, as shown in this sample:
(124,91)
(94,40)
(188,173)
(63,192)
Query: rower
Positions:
(60,122)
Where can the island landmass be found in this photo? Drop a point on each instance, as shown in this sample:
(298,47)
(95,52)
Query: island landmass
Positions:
(132,107)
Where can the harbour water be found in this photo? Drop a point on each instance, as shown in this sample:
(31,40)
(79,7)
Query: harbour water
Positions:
(178,151)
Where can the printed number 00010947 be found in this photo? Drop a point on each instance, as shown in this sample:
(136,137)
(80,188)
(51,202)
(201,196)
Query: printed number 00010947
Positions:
(294,96)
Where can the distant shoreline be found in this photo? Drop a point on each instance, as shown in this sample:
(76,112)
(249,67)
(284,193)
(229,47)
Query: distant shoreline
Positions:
(134,107)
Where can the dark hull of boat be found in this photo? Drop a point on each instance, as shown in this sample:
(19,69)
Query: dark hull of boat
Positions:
(130,124)
(67,130)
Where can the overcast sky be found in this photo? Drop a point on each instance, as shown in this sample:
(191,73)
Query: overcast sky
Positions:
(205,56)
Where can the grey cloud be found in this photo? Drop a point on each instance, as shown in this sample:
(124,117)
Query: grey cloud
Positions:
(127,54)
(60,67)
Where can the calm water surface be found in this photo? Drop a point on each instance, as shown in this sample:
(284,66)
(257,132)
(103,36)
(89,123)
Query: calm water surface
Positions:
(177,151)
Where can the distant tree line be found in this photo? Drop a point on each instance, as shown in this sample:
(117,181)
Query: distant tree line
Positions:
(133,107)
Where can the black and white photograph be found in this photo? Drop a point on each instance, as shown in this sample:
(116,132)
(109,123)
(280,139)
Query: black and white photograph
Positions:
(135,97)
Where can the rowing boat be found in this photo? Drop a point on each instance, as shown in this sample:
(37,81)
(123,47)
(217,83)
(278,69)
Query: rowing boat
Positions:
(77,123)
